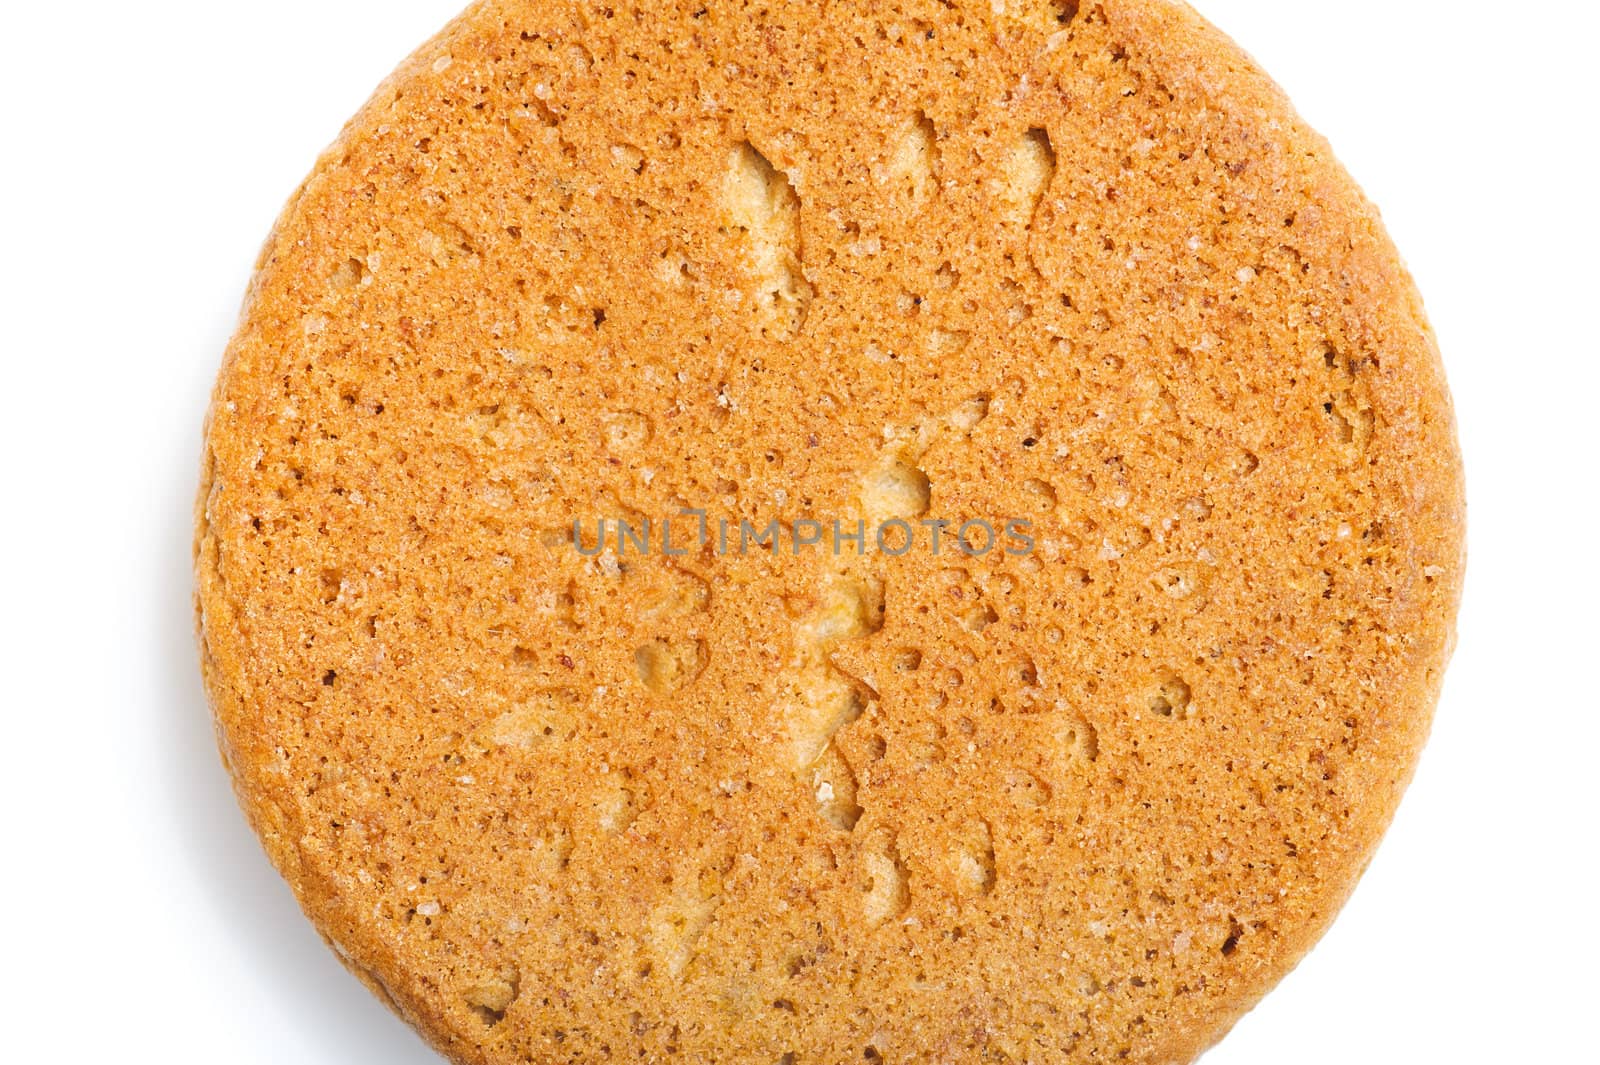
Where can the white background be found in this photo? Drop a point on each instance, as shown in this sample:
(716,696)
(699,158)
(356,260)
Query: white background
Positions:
(146,149)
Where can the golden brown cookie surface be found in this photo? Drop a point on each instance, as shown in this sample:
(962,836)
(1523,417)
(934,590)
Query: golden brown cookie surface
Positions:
(1074,265)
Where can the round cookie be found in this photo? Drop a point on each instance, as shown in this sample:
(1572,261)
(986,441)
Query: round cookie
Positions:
(1074,274)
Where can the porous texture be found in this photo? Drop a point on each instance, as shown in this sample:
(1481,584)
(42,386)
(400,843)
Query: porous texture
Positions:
(1078,265)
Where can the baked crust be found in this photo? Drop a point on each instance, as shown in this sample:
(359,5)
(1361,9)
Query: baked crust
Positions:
(1083,266)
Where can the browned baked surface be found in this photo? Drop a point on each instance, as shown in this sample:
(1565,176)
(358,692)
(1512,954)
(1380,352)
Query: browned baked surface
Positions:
(1082,266)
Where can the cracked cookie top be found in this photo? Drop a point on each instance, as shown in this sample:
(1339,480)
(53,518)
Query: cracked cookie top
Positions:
(805,533)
